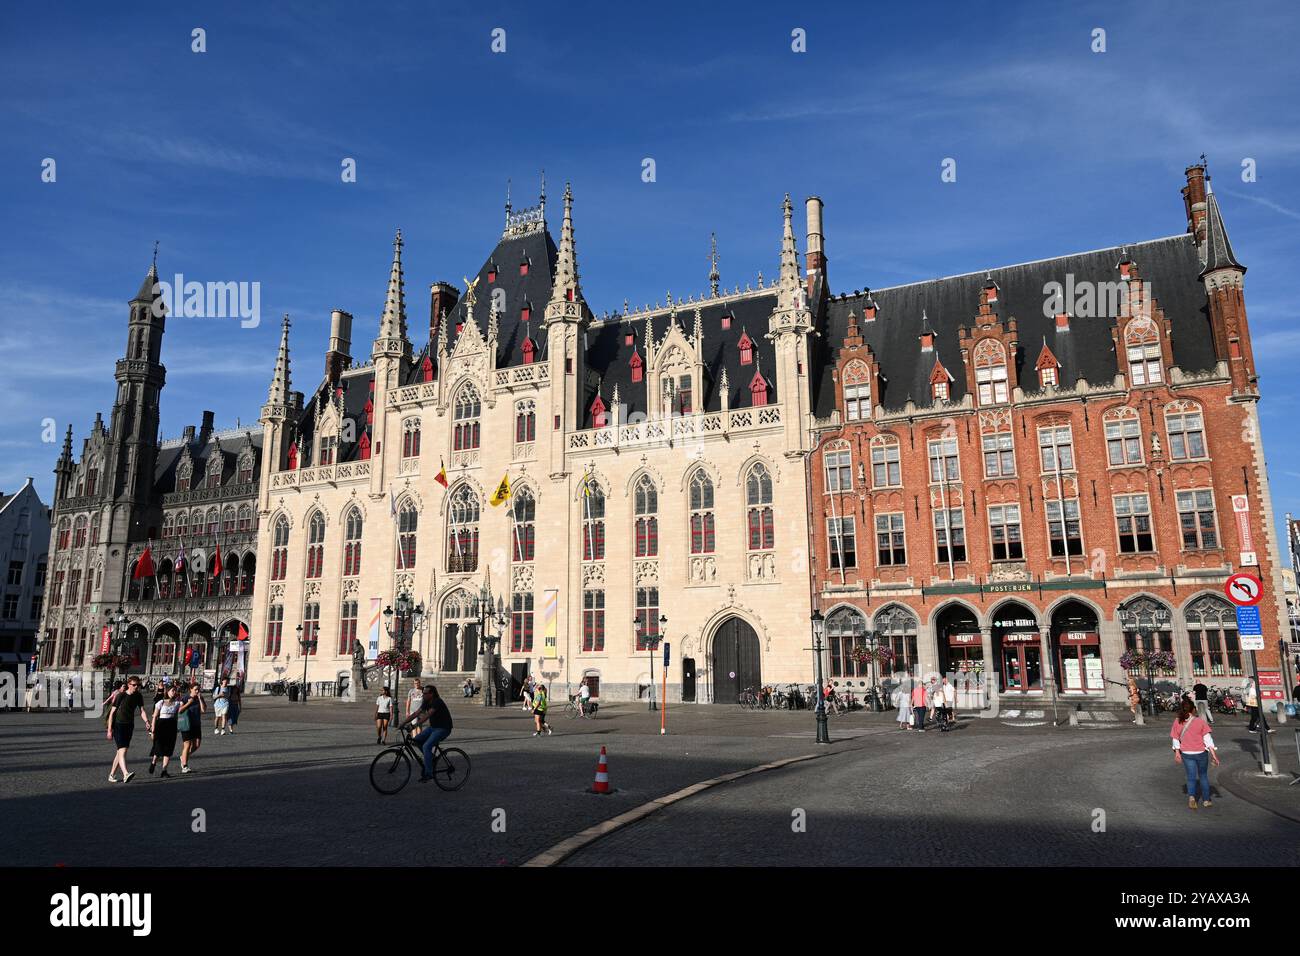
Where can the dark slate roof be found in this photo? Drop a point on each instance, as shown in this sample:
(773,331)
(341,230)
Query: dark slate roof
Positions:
(1218,250)
(608,354)
(1172,266)
(169,457)
(534,289)
(356,390)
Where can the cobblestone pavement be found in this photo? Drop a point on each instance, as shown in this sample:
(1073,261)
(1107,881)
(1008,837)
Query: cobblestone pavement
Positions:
(291,787)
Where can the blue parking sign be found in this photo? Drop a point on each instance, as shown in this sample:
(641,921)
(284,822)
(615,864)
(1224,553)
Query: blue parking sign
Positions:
(1248,621)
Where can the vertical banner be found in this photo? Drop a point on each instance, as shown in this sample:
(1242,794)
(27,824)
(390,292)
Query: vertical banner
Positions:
(105,637)
(372,646)
(1241,510)
(550,624)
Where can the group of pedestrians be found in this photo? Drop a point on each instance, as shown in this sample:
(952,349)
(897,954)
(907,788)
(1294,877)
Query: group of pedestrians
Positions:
(934,701)
(533,694)
(177,711)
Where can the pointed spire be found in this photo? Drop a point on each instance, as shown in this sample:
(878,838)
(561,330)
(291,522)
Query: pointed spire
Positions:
(1218,250)
(392,325)
(566,287)
(714,276)
(789,254)
(66,457)
(541,196)
(698,331)
(147,291)
(507,203)
(278,393)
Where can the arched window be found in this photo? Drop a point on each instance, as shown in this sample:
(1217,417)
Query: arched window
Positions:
(523,517)
(347,627)
(315,544)
(646,505)
(997,444)
(169,525)
(702,518)
(758,390)
(1123,436)
(525,421)
(758,503)
(462,530)
(1212,634)
(245,518)
(280,548)
(991,372)
(230,570)
(247,574)
(165,578)
(411,438)
(352,545)
(465,430)
(845,629)
(65,534)
(857,391)
(274,629)
(896,628)
(213,522)
(1147,624)
(79,531)
(182,524)
(593,521)
(1142,345)
(407,524)
(228,520)
(245,469)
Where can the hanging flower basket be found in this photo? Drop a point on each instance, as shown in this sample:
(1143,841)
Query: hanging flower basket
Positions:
(1155,660)
(881,654)
(406,662)
(118,662)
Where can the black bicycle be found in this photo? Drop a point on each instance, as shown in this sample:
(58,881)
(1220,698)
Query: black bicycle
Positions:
(390,771)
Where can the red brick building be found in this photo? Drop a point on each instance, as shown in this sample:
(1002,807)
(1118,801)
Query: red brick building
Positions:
(1026,471)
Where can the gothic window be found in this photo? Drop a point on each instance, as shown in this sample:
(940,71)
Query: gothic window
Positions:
(646,506)
(352,544)
(214,471)
(702,516)
(746,347)
(347,628)
(311,626)
(183,472)
(1133,523)
(897,629)
(411,438)
(647,617)
(169,525)
(1212,634)
(1004,532)
(521,624)
(247,573)
(92,480)
(407,524)
(523,518)
(991,372)
(845,630)
(593,621)
(838,460)
(182,524)
(886,470)
(525,422)
(79,532)
(328,447)
(1142,345)
(280,548)
(1186,429)
(1147,625)
(593,521)
(212,523)
(462,530)
(1056,448)
(1123,436)
(465,429)
(758,503)
(228,523)
(944,465)
(1196,520)
(245,520)
(758,390)
(315,544)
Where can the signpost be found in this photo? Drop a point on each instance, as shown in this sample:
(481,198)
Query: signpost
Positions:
(663,711)
(1246,591)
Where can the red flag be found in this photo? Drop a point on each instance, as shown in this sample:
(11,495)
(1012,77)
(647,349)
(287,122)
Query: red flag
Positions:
(216,563)
(441,476)
(243,633)
(144,567)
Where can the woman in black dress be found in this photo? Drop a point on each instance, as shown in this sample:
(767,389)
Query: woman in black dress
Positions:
(164,729)
(192,734)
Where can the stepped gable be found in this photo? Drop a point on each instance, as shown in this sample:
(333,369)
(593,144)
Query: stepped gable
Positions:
(1172,265)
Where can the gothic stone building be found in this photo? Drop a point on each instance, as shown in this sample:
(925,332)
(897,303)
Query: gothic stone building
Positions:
(182,499)
(656,464)
(1028,491)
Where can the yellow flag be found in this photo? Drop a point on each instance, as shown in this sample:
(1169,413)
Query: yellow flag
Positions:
(502,492)
(586,485)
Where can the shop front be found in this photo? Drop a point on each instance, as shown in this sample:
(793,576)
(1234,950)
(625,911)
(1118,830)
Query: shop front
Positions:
(1016,641)
(1076,643)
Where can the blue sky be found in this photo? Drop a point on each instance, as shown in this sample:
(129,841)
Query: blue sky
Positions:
(231,159)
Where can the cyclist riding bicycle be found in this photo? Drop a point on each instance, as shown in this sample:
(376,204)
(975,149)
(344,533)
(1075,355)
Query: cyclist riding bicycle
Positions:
(433,710)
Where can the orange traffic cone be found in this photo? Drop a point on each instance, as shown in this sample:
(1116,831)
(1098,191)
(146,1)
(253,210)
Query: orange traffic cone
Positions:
(602,774)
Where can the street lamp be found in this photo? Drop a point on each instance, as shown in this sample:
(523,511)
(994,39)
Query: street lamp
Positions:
(818,627)
(399,631)
(308,645)
(1148,646)
(651,639)
(487,643)
(117,619)
(873,640)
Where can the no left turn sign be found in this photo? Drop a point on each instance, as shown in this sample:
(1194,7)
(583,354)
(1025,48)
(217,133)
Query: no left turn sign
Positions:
(1244,590)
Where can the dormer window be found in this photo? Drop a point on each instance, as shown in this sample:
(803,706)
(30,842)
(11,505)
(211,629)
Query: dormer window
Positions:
(758,389)
(1142,343)
(370,410)
(726,321)
(525,313)
(363,446)
(940,391)
(1047,376)
(568,294)
(598,412)
(746,346)
(328,445)
(530,351)
(523,268)
(492,273)
(426,370)
(991,372)
(629,339)
(293,457)
(638,366)
(927,341)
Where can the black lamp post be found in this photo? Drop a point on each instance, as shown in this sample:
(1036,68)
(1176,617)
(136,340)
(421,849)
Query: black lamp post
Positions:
(117,619)
(308,645)
(651,639)
(873,641)
(1145,634)
(818,628)
(487,642)
(399,624)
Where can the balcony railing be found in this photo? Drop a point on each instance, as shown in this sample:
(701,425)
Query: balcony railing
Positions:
(663,430)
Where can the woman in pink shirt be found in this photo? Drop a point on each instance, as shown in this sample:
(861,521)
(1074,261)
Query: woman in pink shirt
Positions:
(1194,749)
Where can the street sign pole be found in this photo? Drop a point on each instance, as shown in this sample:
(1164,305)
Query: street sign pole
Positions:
(1246,591)
(1263,719)
(663,710)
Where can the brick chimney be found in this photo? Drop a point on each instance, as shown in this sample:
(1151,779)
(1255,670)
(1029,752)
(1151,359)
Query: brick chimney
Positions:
(205,430)
(816,256)
(339,355)
(443,297)
(1194,202)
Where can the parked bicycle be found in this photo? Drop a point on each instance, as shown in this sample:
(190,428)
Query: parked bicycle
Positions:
(747,698)
(390,771)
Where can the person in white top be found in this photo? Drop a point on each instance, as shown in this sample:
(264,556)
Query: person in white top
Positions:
(383,713)
(165,720)
(584,698)
(414,698)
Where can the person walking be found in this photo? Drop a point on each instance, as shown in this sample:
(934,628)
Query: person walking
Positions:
(121,726)
(1194,749)
(69,695)
(539,711)
(414,697)
(526,693)
(903,700)
(190,724)
(1251,695)
(1201,697)
(221,705)
(236,699)
(1134,697)
(165,718)
(918,706)
(947,692)
(383,714)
